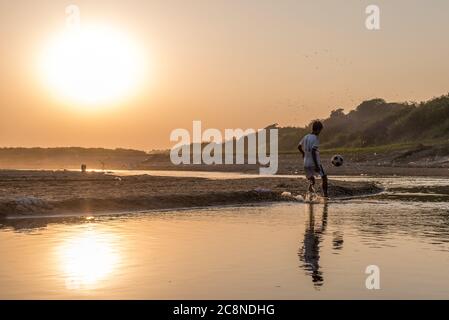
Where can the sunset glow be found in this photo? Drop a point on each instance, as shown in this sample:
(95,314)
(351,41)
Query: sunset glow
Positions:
(87,258)
(91,66)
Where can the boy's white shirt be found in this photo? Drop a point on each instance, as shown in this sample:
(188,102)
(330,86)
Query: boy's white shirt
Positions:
(308,143)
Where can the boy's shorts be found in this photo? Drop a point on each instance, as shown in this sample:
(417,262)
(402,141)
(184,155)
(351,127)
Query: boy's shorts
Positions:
(310,172)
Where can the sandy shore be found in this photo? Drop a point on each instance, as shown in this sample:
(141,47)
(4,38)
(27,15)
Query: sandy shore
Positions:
(64,192)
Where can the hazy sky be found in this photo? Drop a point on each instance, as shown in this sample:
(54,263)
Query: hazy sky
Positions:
(231,64)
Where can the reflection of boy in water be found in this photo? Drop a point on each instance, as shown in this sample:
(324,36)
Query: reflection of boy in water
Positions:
(309,253)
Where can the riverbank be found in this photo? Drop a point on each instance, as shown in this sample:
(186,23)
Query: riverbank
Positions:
(291,164)
(66,192)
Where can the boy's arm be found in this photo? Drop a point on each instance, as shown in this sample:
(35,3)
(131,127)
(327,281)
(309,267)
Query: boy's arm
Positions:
(315,160)
(300,150)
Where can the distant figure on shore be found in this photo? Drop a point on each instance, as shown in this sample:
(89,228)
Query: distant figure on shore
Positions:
(83,168)
(308,146)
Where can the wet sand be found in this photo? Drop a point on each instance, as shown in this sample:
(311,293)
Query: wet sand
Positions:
(63,192)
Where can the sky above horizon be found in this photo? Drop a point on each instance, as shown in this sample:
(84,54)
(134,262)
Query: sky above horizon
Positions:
(231,64)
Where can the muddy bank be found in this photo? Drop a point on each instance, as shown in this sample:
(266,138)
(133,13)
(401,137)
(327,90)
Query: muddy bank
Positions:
(60,192)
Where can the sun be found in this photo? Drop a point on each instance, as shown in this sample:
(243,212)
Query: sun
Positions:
(91,66)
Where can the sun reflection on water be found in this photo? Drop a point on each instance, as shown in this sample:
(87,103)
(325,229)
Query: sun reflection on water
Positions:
(88,258)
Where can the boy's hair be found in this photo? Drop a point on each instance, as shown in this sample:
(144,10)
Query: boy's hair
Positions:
(317,125)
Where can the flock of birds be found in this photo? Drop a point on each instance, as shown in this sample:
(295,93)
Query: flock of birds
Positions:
(319,62)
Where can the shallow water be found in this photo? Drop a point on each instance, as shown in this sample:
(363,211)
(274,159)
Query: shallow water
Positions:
(277,251)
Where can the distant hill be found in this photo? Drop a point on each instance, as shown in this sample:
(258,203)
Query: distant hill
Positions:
(398,131)
(376,131)
(377,122)
(70,158)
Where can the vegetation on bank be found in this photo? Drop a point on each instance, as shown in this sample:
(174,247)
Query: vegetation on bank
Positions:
(377,125)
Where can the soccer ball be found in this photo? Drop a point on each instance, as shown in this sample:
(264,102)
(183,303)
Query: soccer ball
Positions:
(337,160)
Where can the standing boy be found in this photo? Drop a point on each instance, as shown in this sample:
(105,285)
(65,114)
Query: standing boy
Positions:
(308,146)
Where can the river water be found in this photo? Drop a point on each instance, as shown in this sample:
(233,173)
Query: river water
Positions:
(270,251)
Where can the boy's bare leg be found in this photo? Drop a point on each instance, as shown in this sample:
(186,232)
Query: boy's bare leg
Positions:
(312,184)
(324,182)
